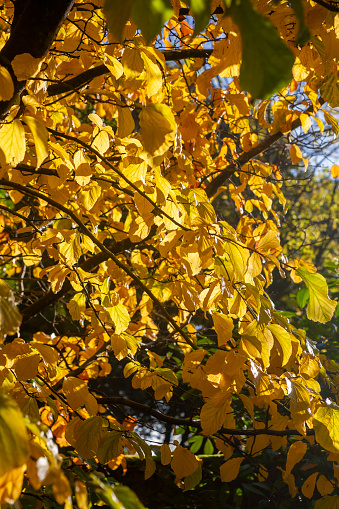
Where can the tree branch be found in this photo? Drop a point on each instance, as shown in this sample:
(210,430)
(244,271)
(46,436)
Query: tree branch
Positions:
(118,400)
(88,266)
(33,32)
(73,84)
(213,186)
(32,192)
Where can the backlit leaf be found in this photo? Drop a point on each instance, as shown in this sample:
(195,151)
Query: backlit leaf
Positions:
(12,143)
(6,85)
(158,128)
(319,308)
(326,427)
(76,392)
(13,436)
(40,136)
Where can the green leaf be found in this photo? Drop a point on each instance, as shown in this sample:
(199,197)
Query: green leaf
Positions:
(117,14)
(320,308)
(196,443)
(202,12)
(303,297)
(208,447)
(266,60)
(304,33)
(13,436)
(326,427)
(128,498)
(150,16)
(88,436)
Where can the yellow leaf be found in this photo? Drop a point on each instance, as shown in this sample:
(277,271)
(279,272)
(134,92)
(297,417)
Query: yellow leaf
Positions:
(295,154)
(183,462)
(309,485)
(335,171)
(71,250)
(76,392)
(40,136)
(153,75)
(126,123)
(213,417)
(61,488)
(284,339)
(158,128)
(26,367)
(12,143)
(326,427)
(90,196)
(10,318)
(25,66)
(101,142)
(268,242)
(305,122)
(295,454)
(324,486)
(49,355)
(120,317)
(223,326)
(93,117)
(81,494)
(230,470)
(11,485)
(6,85)
(77,306)
(166,454)
(319,308)
(132,62)
(114,66)
(13,436)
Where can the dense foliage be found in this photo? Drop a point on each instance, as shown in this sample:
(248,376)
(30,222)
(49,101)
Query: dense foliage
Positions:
(143,189)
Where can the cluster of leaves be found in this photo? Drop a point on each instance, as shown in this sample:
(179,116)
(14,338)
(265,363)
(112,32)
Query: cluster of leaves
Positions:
(123,285)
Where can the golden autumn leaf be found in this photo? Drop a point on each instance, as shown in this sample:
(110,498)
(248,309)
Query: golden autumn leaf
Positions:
(12,143)
(119,316)
(40,136)
(13,436)
(223,327)
(25,66)
(307,488)
(295,454)
(81,494)
(10,318)
(166,454)
(326,427)
(11,485)
(158,128)
(183,462)
(76,392)
(229,470)
(6,84)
